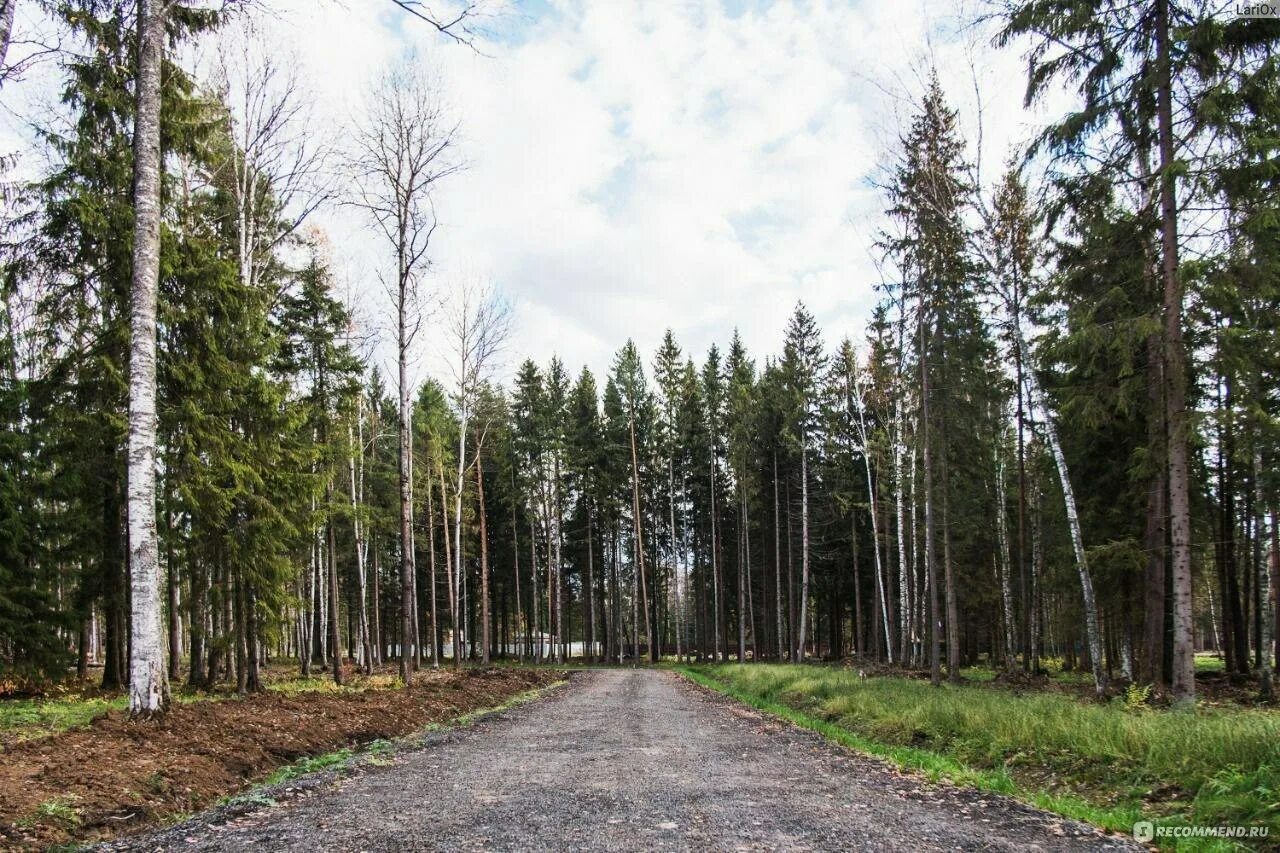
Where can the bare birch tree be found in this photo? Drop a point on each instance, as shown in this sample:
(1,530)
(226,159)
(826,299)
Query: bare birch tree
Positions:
(477,322)
(404,149)
(278,172)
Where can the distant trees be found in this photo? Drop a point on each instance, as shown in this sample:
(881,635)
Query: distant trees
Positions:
(1055,441)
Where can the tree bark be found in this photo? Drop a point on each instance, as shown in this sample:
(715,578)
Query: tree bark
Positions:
(1092,633)
(1006,587)
(331,565)
(639,540)
(1155,533)
(1184,681)
(7,8)
(777,560)
(484,560)
(804,545)
(930,556)
(148,679)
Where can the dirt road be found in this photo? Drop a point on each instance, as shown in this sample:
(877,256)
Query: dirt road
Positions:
(631,760)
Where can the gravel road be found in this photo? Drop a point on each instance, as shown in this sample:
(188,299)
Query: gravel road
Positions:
(629,760)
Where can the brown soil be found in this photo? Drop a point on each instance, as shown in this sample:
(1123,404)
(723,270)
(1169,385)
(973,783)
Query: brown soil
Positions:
(119,775)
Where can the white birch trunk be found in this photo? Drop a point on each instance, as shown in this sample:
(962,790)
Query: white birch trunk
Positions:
(875,524)
(458,633)
(1092,632)
(148,678)
(357,499)
(1002,540)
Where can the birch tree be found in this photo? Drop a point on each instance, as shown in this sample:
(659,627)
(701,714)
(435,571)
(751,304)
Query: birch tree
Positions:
(405,148)
(148,677)
(859,401)
(277,161)
(477,322)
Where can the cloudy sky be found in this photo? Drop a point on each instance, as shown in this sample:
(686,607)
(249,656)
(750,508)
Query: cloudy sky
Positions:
(633,166)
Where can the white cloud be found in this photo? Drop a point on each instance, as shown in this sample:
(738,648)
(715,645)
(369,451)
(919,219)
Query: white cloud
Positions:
(634,166)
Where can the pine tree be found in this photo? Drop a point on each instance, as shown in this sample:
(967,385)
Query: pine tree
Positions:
(802,364)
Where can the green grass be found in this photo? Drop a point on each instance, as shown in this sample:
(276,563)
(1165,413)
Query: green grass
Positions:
(22,719)
(58,811)
(25,718)
(1105,764)
(1210,662)
(314,764)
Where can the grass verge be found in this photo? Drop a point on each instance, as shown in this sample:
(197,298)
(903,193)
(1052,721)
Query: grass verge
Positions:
(1104,764)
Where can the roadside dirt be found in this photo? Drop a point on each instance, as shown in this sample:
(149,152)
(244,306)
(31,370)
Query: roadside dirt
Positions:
(118,776)
(626,759)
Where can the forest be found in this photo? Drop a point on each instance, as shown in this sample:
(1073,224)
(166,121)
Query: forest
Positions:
(1048,457)
(1056,438)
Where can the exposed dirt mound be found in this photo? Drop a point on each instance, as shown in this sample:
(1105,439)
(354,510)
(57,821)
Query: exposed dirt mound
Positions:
(119,774)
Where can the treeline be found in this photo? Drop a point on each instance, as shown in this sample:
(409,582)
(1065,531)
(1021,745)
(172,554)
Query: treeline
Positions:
(1057,438)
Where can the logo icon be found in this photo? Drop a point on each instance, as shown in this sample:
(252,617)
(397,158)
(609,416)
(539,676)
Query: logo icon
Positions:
(1144,831)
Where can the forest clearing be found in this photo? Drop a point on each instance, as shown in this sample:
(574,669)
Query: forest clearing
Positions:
(873,417)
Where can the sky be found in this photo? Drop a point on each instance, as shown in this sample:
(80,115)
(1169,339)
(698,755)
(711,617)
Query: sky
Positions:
(636,166)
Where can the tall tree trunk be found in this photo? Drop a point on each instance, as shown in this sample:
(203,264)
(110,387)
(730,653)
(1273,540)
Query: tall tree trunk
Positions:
(777,562)
(948,567)
(1155,533)
(197,596)
(590,590)
(1006,586)
(557,599)
(407,569)
(746,548)
(1265,685)
(1037,556)
(331,568)
(175,616)
(357,498)
(742,603)
(535,639)
(804,545)
(1020,424)
(148,679)
(715,563)
(7,8)
(1092,632)
(904,569)
(484,560)
(459,636)
(675,550)
(1184,676)
(930,557)
(873,504)
(515,553)
(639,539)
(859,634)
(253,678)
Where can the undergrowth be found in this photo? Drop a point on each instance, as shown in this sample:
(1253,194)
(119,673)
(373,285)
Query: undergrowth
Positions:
(1109,764)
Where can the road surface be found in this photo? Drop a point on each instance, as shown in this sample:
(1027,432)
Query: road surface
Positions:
(627,760)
